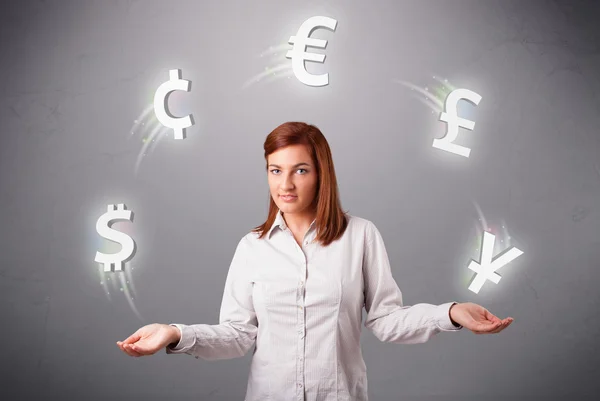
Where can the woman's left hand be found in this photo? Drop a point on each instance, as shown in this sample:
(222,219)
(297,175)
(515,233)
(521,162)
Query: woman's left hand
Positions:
(478,319)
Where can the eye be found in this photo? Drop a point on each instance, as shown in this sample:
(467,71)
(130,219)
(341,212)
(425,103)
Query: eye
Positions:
(276,169)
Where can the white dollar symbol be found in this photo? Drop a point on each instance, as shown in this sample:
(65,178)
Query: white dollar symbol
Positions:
(126,242)
(299,55)
(160,104)
(454,121)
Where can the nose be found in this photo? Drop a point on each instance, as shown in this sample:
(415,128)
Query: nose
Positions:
(287,183)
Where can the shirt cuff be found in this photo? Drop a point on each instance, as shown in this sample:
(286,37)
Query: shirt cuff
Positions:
(442,318)
(186,342)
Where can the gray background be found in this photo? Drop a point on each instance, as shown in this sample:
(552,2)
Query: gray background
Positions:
(75,75)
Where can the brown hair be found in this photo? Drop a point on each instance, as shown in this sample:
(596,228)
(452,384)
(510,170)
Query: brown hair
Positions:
(331,220)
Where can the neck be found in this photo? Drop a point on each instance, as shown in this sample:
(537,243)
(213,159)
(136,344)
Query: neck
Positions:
(299,222)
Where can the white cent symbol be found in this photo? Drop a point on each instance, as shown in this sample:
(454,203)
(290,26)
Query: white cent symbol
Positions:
(161,105)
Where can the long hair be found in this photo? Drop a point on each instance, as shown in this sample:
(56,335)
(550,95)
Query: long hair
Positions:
(331,220)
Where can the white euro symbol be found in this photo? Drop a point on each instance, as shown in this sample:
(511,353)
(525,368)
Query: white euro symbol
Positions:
(486,270)
(160,103)
(299,55)
(454,121)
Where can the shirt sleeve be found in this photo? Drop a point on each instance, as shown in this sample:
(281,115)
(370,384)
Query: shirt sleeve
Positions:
(237,329)
(388,319)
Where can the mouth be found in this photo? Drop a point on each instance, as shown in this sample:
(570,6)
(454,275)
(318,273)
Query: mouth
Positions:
(288,197)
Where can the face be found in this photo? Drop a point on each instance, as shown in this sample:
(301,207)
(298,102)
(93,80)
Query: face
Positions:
(291,170)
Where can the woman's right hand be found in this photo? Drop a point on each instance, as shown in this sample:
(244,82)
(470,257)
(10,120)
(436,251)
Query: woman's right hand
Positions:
(149,339)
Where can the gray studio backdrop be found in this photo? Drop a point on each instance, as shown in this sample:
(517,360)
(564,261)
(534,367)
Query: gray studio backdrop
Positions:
(76,75)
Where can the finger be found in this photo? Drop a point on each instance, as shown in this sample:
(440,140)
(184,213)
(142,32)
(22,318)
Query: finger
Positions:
(121,346)
(126,348)
(132,338)
(487,327)
(142,349)
(492,318)
(131,350)
(483,328)
(499,329)
(489,315)
(505,324)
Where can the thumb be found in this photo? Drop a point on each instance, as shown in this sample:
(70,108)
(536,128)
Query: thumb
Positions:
(132,338)
(144,347)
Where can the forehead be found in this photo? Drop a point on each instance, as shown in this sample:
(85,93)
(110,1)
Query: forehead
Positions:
(290,155)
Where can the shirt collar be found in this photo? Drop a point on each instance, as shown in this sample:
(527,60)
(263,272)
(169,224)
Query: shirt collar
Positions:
(280,222)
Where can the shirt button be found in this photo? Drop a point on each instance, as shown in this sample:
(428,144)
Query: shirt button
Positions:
(299,384)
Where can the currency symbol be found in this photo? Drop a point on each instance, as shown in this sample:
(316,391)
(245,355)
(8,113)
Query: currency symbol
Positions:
(105,231)
(486,270)
(299,55)
(161,105)
(454,121)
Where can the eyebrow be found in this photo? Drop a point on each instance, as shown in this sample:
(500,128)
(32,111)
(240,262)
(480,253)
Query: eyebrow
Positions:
(297,165)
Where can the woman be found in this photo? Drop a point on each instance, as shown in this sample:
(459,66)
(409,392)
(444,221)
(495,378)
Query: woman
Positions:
(297,285)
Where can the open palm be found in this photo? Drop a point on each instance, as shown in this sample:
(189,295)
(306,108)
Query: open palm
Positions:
(147,340)
(478,319)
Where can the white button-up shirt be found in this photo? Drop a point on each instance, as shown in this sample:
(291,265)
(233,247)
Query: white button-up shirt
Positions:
(302,308)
